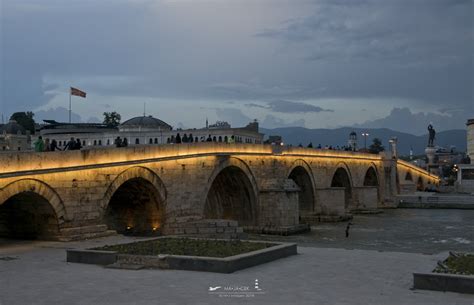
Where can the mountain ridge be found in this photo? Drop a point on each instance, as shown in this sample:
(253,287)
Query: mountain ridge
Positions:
(339,136)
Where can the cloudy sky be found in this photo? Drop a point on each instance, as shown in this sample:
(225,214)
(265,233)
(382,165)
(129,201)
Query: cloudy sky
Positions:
(317,64)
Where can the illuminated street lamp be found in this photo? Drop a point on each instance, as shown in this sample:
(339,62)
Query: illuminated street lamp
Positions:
(365,135)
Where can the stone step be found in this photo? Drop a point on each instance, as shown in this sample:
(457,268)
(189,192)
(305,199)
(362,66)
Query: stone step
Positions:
(83,230)
(87,235)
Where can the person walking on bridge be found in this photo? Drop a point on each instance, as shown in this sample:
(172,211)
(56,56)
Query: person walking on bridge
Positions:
(70,145)
(39,144)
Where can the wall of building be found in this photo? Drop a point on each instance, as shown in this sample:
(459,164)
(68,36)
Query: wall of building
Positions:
(470,139)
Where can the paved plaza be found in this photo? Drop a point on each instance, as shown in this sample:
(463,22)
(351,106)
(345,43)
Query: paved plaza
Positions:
(37,273)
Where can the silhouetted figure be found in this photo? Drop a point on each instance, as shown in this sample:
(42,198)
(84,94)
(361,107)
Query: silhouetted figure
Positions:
(432,135)
(78,144)
(300,145)
(190,138)
(54,145)
(70,145)
(178,139)
(185,139)
(118,142)
(47,145)
(125,142)
(310,145)
(319,146)
(347,229)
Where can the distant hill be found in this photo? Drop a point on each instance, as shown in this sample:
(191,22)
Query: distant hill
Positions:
(339,136)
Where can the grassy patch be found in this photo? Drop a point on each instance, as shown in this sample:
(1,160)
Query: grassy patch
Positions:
(187,246)
(457,263)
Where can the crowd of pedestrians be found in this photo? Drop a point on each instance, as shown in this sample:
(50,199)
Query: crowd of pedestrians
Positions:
(47,145)
(329,147)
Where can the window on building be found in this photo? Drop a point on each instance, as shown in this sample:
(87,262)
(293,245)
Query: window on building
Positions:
(220,138)
(137,141)
(95,142)
(108,141)
(150,141)
(196,139)
(100,142)
(60,143)
(226,139)
(156,140)
(83,143)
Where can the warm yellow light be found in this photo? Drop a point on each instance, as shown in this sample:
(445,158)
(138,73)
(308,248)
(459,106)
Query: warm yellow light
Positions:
(129,227)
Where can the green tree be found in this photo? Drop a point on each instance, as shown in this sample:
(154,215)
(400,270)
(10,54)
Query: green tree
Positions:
(112,119)
(25,119)
(376,146)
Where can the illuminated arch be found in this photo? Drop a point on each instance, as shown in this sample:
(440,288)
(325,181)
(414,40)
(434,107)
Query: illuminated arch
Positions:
(232,193)
(301,173)
(135,173)
(40,188)
(341,177)
(135,202)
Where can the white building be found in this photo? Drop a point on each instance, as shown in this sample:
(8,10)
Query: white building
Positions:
(470,139)
(465,179)
(14,137)
(147,130)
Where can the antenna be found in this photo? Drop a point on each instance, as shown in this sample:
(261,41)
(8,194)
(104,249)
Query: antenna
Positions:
(144,109)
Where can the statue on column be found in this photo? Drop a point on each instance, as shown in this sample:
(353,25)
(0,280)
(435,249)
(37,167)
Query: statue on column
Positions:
(432,134)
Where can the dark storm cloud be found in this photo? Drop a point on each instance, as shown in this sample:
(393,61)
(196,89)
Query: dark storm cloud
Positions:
(289,107)
(419,49)
(237,119)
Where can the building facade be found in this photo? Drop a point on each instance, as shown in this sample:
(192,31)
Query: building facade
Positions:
(470,139)
(14,137)
(147,130)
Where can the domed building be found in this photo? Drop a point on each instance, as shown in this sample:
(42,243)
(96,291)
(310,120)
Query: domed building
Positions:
(144,123)
(13,136)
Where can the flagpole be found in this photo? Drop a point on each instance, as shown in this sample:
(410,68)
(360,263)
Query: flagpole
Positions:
(69,105)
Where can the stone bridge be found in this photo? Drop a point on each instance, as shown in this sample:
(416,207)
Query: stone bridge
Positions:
(185,188)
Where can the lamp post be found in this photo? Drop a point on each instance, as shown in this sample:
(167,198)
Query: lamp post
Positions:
(365,135)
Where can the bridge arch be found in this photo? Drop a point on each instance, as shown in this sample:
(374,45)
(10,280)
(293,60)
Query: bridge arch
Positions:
(420,184)
(408,176)
(301,173)
(371,177)
(135,202)
(342,177)
(30,209)
(232,193)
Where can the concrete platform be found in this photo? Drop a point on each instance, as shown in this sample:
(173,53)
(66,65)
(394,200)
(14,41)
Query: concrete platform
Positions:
(39,274)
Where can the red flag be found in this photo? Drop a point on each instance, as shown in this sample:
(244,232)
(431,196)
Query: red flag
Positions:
(77,92)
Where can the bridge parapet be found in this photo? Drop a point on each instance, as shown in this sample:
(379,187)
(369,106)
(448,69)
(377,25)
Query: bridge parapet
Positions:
(25,163)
